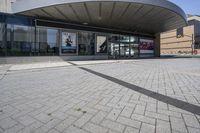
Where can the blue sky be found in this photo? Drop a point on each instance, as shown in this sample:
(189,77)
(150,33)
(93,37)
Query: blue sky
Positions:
(189,6)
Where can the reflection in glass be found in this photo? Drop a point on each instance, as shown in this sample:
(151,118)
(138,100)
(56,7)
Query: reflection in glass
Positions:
(101,44)
(47,41)
(86,42)
(124,50)
(124,39)
(114,38)
(2,44)
(133,39)
(20,40)
(114,50)
(134,50)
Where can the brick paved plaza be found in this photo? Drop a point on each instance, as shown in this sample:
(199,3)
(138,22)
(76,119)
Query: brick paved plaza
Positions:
(125,96)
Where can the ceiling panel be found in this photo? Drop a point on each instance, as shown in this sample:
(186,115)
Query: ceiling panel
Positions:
(81,11)
(127,16)
(67,10)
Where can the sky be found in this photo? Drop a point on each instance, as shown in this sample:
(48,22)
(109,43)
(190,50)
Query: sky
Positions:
(189,6)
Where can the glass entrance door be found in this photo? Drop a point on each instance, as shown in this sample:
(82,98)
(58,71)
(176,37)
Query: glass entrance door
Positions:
(114,50)
(134,50)
(124,50)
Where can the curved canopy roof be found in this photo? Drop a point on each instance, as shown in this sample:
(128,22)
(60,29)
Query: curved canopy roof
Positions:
(139,16)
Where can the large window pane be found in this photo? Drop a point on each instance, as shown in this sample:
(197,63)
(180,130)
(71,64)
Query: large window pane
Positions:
(47,41)
(101,44)
(20,40)
(2,44)
(113,46)
(124,46)
(86,41)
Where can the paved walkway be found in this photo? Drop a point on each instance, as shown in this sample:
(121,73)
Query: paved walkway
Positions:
(127,96)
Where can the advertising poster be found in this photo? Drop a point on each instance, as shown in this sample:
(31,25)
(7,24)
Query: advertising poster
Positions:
(68,43)
(146,47)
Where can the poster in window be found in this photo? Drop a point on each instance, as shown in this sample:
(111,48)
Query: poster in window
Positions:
(69,44)
(146,47)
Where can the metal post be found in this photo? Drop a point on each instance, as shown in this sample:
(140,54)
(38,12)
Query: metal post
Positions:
(35,38)
(192,44)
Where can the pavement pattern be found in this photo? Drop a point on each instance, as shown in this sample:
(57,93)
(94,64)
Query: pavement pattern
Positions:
(125,96)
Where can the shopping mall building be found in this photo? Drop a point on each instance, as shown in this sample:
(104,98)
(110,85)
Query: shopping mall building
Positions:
(85,29)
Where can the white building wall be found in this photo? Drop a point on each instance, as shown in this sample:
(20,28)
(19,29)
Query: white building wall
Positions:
(5,5)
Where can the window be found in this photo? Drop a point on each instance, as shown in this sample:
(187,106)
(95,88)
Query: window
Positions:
(101,44)
(2,43)
(20,40)
(47,41)
(86,42)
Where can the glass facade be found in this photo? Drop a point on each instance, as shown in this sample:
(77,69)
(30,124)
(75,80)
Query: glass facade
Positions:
(47,41)
(19,36)
(86,43)
(123,46)
(20,40)
(2,37)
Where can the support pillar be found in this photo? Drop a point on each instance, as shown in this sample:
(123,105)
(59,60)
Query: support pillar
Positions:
(157,45)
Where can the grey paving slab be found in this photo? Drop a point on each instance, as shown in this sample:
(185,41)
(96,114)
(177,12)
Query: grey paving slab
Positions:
(68,99)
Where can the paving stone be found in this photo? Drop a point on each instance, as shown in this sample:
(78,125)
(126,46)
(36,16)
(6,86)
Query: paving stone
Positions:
(15,129)
(105,100)
(139,109)
(193,130)
(31,128)
(191,121)
(99,117)
(143,118)
(113,125)
(113,114)
(127,111)
(66,123)
(128,122)
(94,128)
(157,116)
(84,119)
(26,120)
(131,130)
(73,129)
(7,123)
(147,128)
(75,112)
(151,107)
(43,117)
(47,127)
(53,131)
(178,125)
(103,108)
(170,113)
(163,127)
(111,131)
(49,96)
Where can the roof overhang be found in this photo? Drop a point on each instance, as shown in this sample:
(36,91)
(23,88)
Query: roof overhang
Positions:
(141,16)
